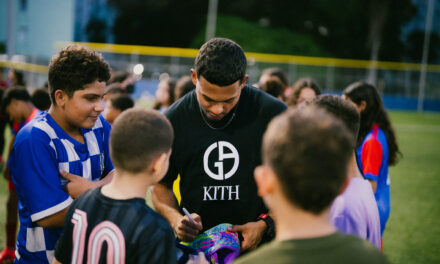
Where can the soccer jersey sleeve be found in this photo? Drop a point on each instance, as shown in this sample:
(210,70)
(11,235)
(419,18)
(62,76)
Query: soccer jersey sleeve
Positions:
(34,169)
(107,160)
(371,158)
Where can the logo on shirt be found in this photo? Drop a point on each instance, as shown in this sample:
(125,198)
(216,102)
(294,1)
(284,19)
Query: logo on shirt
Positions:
(226,151)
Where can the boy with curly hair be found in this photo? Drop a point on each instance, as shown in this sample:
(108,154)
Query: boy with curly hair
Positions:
(70,140)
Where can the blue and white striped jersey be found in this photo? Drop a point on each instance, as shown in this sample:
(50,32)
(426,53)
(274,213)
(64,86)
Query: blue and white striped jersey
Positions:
(41,149)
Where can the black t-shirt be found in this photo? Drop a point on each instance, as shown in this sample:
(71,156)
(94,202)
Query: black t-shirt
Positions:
(98,227)
(216,166)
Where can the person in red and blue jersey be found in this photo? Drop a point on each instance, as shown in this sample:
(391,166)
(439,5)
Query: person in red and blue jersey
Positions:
(376,146)
(17,105)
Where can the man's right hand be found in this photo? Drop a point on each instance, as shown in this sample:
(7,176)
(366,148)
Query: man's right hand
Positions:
(186,229)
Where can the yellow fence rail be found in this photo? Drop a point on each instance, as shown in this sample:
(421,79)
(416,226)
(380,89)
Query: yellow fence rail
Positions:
(24,66)
(257,57)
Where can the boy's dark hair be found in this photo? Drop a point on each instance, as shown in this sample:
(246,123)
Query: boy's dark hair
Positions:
(273,86)
(137,137)
(73,68)
(308,149)
(298,86)
(122,102)
(277,72)
(374,113)
(341,109)
(40,99)
(17,93)
(221,62)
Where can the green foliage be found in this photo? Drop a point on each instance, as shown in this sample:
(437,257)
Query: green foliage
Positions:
(170,23)
(415,46)
(254,38)
(340,28)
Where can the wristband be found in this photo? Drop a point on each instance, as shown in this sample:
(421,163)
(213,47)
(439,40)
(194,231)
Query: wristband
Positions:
(270,231)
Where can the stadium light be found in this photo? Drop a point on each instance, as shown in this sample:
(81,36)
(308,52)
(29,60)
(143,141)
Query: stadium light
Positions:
(138,69)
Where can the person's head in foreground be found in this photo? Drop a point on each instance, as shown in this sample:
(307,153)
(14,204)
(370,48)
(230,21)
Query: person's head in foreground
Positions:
(305,159)
(219,77)
(140,141)
(77,79)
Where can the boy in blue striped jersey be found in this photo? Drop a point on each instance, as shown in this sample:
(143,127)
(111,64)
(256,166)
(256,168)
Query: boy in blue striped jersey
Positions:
(70,140)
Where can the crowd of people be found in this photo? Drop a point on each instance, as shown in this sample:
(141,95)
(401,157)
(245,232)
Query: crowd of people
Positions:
(268,172)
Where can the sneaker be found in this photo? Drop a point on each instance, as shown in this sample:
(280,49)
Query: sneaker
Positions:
(7,255)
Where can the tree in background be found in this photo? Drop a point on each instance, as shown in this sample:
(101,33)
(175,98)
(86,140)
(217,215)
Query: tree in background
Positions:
(339,28)
(415,43)
(96,30)
(159,23)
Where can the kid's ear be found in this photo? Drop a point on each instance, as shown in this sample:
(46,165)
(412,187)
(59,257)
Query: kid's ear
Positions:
(60,97)
(362,106)
(160,164)
(265,179)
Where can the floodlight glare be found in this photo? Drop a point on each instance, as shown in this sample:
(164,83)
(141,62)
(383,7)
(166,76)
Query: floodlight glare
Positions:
(138,69)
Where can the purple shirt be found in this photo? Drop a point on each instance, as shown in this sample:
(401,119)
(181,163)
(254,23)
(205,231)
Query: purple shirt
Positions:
(355,211)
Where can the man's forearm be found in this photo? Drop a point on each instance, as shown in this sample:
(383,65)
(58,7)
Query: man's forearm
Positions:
(165,203)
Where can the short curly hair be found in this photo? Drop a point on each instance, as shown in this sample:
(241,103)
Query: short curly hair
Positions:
(221,62)
(74,67)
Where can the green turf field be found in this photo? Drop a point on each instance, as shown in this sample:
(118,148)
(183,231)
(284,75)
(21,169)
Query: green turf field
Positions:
(413,230)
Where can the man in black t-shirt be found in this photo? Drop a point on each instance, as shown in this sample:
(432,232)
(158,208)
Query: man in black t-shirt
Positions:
(219,128)
(113,224)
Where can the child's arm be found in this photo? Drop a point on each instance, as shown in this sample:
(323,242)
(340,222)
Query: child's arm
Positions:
(55,220)
(78,185)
